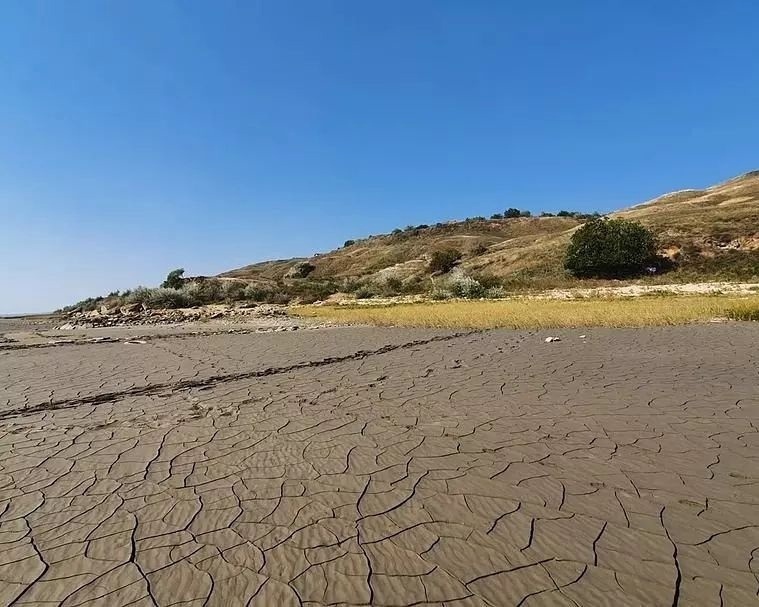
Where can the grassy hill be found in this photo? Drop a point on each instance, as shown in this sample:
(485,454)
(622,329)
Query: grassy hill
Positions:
(711,234)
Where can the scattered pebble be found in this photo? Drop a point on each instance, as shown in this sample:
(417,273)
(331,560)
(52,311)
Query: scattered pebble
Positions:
(548,340)
(582,336)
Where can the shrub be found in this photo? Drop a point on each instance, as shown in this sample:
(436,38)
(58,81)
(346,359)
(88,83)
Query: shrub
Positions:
(547,214)
(139,295)
(496,216)
(495,293)
(300,270)
(525,214)
(364,292)
(397,231)
(444,260)
(205,291)
(348,243)
(233,291)
(309,291)
(440,294)
(393,285)
(479,249)
(173,279)
(85,305)
(565,214)
(512,213)
(487,280)
(611,248)
(465,286)
(166,297)
(257,293)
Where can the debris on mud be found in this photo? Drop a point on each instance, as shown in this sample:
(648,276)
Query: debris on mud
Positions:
(137,314)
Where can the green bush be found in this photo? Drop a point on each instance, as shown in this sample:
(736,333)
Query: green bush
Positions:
(393,285)
(233,291)
(205,291)
(166,297)
(512,213)
(487,280)
(348,243)
(364,292)
(444,260)
(439,294)
(139,295)
(300,270)
(613,248)
(495,293)
(174,279)
(465,287)
(257,293)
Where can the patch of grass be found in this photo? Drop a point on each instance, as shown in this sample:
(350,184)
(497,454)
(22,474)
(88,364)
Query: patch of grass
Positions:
(748,309)
(543,314)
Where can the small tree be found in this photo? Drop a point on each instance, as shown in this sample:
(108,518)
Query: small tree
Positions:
(174,279)
(444,260)
(348,243)
(610,248)
(512,213)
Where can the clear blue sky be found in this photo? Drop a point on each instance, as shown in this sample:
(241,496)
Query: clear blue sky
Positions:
(140,136)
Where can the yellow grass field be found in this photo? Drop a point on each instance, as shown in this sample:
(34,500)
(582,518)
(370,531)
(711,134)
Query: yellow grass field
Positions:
(543,313)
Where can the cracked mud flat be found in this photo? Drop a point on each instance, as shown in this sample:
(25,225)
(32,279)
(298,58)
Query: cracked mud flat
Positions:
(386,467)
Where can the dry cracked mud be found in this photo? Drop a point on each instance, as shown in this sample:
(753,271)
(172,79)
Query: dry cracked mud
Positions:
(361,466)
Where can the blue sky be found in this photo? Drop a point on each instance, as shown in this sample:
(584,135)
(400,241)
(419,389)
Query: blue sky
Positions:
(140,136)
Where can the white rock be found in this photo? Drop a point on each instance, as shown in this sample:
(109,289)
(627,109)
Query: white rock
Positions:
(548,340)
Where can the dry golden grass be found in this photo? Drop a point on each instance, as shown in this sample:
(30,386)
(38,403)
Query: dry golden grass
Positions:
(714,232)
(544,314)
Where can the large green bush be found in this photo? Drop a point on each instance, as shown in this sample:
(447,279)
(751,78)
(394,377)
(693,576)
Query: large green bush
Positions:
(443,261)
(610,248)
(174,279)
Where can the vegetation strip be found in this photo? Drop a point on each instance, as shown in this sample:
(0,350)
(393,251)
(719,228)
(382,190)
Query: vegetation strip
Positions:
(544,314)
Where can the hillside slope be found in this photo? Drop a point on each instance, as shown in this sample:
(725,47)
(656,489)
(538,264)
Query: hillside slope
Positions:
(711,233)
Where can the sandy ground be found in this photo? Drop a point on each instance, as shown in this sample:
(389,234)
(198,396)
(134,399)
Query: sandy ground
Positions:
(632,290)
(386,467)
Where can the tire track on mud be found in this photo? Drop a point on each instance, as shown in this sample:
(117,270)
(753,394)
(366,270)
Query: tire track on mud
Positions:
(214,380)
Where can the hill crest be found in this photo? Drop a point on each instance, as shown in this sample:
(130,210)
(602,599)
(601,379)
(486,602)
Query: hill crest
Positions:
(710,232)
